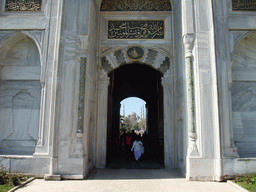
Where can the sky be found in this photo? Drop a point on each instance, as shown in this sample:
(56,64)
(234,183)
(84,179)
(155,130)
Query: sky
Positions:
(132,104)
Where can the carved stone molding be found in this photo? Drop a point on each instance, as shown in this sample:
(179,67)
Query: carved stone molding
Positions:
(21,5)
(105,65)
(38,37)
(153,57)
(136,5)
(4,35)
(84,43)
(236,37)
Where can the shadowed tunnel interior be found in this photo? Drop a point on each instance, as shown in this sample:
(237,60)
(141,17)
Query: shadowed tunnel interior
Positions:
(136,80)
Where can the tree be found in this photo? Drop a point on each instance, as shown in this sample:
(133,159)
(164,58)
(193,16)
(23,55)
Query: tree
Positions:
(136,127)
(125,124)
(142,124)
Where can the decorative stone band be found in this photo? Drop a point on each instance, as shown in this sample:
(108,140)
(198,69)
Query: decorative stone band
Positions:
(21,5)
(136,5)
(152,57)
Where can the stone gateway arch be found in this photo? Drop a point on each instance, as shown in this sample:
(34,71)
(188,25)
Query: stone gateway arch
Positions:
(66,65)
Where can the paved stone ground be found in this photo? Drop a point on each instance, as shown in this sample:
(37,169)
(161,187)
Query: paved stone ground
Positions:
(129,180)
(132,164)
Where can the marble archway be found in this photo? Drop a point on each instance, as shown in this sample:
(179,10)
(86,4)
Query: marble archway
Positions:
(156,59)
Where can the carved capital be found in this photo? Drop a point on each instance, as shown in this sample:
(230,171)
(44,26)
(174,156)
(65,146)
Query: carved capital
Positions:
(104,79)
(192,149)
(189,44)
(79,146)
(42,84)
(83,42)
(229,86)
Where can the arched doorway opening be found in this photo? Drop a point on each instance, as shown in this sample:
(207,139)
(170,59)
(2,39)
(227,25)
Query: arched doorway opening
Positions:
(133,115)
(137,80)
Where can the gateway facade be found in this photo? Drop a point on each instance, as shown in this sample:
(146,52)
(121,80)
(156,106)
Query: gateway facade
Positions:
(66,65)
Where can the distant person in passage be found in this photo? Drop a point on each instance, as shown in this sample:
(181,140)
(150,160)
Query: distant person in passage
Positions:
(137,147)
(128,146)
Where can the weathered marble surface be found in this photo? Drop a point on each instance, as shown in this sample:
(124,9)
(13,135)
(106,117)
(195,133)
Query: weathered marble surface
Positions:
(64,23)
(20,99)
(243,92)
(19,115)
(244,56)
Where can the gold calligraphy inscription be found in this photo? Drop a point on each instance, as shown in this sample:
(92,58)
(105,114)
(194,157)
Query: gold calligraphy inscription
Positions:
(23,5)
(136,29)
(136,5)
(244,5)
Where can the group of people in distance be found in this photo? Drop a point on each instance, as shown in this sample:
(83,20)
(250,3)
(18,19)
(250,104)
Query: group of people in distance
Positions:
(130,144)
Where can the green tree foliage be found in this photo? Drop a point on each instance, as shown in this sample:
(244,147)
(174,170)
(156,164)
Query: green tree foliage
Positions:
(126,124)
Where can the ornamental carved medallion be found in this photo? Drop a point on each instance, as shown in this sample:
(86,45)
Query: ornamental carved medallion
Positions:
(244,5)
(136,5)
(23,5)
(135,53)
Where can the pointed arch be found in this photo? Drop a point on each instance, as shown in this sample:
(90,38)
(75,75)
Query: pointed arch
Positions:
(21,96)
(11,41)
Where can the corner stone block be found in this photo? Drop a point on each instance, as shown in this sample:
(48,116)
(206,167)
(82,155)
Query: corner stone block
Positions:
(5,164)
(52,177)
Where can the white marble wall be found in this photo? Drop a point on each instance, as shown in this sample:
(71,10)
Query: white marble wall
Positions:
(53,57)
(234,74)
(20,99)
(243,94)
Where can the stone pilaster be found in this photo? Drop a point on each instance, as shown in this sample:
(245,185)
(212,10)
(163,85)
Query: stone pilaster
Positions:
(52,77)
(102,119)
(169,131)
(188,20)
(80,121)
(40,132)
(189,66)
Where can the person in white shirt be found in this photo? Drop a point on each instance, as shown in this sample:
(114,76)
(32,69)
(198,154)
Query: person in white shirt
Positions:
(137,148)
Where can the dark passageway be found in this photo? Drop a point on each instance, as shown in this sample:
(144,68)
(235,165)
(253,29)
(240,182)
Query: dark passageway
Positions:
(136,80)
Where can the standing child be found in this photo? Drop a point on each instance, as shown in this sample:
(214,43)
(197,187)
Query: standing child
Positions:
(136,147)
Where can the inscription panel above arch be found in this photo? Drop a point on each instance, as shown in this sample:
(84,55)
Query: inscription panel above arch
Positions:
(142,28)
(136,5)
(244,5)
